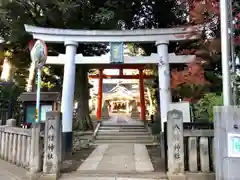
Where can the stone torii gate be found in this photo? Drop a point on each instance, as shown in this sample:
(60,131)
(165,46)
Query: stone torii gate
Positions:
(71,39)
(129,62)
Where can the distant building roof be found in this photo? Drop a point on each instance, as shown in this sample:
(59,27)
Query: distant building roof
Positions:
(44,96)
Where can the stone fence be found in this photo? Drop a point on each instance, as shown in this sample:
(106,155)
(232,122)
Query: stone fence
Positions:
(16,144)
(198,150)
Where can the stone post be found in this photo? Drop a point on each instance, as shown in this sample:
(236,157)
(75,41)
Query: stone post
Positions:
(227,142)
(105,112)
(11,122)
(35,155)
(175,143)
(52,144)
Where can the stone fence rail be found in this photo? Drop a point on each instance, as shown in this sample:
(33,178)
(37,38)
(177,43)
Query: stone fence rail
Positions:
(16,144)
(198,150)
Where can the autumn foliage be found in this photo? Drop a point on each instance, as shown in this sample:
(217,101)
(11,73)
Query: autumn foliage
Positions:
(193,74)
(204,13)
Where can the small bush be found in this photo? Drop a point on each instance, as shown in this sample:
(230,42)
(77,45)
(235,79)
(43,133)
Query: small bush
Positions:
(203,110)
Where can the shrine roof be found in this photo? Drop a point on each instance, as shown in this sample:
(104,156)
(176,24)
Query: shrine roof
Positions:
(119,91)
(44,96)
(119,87)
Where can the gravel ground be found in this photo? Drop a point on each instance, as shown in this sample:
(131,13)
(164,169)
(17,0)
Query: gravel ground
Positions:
(73,163)
(157,161)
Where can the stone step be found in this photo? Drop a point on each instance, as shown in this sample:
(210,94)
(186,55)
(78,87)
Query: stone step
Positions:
(114,141)
(121,124)
(121,127)
(122,130)
(116,175)
(84,137)
(121,137)
(125,133)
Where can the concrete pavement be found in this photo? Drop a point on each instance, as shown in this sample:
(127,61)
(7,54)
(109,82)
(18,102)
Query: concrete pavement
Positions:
(118,157)
(116,161)
(108,158)
(11,172)
(112,178)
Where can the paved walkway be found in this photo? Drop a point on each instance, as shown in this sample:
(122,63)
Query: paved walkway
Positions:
(121,119)
(11,172)
(118,157)
(113,178)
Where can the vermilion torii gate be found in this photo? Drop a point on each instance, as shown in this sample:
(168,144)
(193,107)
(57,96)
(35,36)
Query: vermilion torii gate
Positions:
(153,59)
(71,39)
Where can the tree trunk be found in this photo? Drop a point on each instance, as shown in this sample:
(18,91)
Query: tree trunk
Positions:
(150,100)
(83,120)
(6,74)
(30,78)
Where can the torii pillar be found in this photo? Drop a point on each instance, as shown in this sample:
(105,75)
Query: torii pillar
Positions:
(100,92)
(142,97)
(164,80)
(68,96)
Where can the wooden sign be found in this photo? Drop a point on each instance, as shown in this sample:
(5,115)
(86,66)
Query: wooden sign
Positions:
(116,52)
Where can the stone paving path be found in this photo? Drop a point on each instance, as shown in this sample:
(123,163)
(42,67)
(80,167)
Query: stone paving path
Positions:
(11,172)
(118,157)
(122,119)
(113,178)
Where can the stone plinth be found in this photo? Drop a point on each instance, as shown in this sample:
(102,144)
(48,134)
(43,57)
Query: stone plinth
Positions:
(52,144)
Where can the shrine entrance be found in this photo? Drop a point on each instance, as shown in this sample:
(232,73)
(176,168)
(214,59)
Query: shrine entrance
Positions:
(71,39)
(119,106)
(121,99)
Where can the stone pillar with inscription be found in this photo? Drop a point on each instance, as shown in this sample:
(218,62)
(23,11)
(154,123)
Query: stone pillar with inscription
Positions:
(175,143)
(227,142)
(52,144)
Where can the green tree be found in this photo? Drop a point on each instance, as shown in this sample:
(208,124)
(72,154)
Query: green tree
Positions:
(203,110)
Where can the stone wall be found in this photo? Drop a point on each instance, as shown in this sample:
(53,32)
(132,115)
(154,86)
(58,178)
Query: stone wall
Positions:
(82,140)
